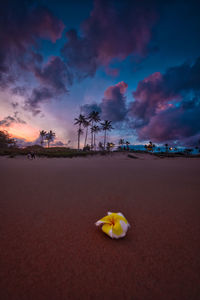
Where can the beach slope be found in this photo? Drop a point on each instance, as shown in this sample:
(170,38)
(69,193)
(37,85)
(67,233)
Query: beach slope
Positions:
(51,249)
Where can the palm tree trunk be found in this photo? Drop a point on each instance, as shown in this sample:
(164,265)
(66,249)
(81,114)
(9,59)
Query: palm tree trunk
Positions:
(94,142)
(91,136)
(86,137)
(105,140)
(79,138)
(48,143)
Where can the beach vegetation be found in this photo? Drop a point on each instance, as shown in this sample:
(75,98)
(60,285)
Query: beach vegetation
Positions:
(6,141)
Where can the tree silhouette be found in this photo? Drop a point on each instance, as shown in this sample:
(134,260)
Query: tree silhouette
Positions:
(93,117)
(127,145)
(5,140)
(100,146)
(86,124)
(80,132)
(42,135)
(106,126)
(94,130)
(50,136)
(150,146)
(79,121)
(121,142)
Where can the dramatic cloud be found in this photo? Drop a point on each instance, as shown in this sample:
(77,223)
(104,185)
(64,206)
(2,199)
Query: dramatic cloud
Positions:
(167,106)
(114,30)
(9,120)
(21,25)
(37,96)
(150,97)
(113,105)
(53,78)
(172,124)
(55,75)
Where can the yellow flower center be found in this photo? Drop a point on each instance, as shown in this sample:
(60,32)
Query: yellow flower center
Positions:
(112,221)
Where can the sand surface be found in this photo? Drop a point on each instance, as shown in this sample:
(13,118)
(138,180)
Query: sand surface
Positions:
(50,248)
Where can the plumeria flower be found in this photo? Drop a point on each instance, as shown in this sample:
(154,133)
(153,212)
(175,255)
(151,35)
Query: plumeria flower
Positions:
(114,224)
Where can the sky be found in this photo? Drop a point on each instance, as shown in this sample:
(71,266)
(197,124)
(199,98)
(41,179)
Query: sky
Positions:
(136,62)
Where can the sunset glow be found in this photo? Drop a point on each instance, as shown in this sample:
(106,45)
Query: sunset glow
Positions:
(115,58)
(23,132)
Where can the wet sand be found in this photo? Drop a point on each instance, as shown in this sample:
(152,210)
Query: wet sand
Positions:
(50,248)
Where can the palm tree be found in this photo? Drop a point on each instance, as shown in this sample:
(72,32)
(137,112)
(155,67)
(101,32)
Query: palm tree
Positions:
(109,146)
(50,137)
(150,146)
(101,146)
(93,118)
(79,121)
(127,145)
(94,130)
(106,126)
(80,132)
(42,135)
(86,124)
(121,142)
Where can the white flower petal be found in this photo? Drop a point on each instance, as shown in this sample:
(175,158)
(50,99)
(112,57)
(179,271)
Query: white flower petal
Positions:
(120,214)
(99,223)
(110,233)
(124,226)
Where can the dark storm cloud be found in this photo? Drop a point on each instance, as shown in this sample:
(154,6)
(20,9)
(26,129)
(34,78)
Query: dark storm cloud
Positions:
(21,25)
(114,30)
(9,120)
(172,124)
(55,75)
(38,96)
(113,105)
(54,78)
(183,78)
(167,106)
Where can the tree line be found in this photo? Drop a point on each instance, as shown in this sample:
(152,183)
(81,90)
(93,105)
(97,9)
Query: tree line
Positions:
(47,136)
(5,140)
(93,123)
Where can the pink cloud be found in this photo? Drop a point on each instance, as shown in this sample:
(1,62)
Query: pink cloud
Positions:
(113,31)
(151,97)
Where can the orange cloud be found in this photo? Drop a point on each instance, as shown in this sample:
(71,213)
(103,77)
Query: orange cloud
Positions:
(23,131)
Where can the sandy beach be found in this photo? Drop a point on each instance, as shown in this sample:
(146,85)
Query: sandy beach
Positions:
(51,249)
